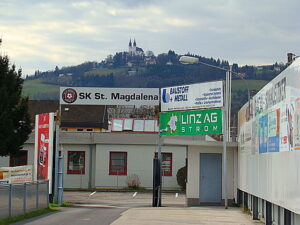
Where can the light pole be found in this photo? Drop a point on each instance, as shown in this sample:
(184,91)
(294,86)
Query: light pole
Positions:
(226,112)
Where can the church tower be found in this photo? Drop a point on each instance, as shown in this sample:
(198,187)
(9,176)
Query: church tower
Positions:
(134,47)
(130,46)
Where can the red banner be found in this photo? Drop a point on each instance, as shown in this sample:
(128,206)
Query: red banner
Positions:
(43,147)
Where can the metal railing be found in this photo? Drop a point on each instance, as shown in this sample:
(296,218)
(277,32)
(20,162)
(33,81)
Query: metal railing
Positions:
(21,198)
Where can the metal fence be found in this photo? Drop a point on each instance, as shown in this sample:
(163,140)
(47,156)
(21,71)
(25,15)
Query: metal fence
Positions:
(18,199)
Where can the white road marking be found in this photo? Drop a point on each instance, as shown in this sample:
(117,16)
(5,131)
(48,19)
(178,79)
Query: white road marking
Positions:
(93,193)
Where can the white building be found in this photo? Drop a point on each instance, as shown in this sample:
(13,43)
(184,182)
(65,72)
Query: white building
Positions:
(133,50)
(205,168)
(106,160)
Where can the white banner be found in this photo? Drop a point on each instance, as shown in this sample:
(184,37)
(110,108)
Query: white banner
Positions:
(109,96)
(194,96)
(269,141)
(18,174)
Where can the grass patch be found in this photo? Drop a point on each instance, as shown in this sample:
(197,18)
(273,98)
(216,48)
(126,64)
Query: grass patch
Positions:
(64,204)
(53,205)
(26,216)
(252,84)
(67,204)
(33,88)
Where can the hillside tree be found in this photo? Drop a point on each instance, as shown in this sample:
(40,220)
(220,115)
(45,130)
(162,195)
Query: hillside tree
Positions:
(15,125)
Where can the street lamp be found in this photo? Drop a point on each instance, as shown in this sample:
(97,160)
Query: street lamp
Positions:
(226,111)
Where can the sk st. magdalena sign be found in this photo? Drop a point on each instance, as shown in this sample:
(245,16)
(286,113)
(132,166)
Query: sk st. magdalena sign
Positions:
(109,96)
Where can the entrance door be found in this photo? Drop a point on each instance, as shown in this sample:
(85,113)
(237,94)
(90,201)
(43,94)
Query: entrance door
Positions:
(210,178)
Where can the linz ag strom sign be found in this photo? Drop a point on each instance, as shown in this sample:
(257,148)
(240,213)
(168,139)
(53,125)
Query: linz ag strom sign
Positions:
(109,96)
(196,122)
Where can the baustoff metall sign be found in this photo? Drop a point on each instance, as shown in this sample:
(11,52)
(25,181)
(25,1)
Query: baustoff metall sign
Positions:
(195,122)
(194,96)
(109,96)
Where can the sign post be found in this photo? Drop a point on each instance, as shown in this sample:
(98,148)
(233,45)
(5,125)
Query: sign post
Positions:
(181,112)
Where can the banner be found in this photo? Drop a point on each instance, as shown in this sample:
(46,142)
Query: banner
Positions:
(18,174)
(274,115)
(109,96)
(197,122)
(44,134)
(194,96)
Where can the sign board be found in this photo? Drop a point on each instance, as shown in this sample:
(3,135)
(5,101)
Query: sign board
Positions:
(274,115)
(18,174)
(109,96)
(269,141)
(43,158)
(196,122)
(194,96)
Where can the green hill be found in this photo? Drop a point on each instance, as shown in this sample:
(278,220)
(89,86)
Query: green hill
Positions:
(36,89)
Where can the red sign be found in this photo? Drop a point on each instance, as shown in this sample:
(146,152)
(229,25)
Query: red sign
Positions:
(43,147)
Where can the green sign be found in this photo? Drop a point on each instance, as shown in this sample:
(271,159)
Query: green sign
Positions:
(196,122)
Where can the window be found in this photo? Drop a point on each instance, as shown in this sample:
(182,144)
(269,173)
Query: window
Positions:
(89,129)
(138,125)
(117,125)
(166,163)
(135,125)
(80,129)
(19,159)
(76,162)
(118,163)
(128,124)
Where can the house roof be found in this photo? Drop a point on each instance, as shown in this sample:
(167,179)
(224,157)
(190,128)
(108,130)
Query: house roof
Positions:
(84,116)
(71,115)
(42,106)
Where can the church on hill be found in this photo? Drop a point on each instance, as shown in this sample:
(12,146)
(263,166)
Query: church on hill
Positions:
(134,50)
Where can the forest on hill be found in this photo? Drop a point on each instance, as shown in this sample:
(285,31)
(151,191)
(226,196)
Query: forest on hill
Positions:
(135,71)
(148,71)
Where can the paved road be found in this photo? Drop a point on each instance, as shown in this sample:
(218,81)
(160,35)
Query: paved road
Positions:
(78,215)
(106,208)
(126,199)
(203,215)
(100,207)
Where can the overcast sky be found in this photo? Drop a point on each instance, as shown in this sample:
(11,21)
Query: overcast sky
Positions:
(40,34)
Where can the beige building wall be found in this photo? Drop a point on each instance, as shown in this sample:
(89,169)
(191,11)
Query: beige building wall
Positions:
(76,180)
(193,184)
(139,162)
(4,161)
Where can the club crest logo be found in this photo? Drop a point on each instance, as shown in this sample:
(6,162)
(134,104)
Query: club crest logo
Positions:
(69,95)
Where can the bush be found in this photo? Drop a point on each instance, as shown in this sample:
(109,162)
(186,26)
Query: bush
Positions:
(181,177)
(133,181)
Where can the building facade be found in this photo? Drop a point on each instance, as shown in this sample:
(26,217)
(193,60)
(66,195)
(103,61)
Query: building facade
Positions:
(112,160)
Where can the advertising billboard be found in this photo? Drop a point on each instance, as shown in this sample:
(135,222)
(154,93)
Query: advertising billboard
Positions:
(193,96)
(195,122)
(275,112)
(109,96)
(269,141)
(18,174)
(43,158)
